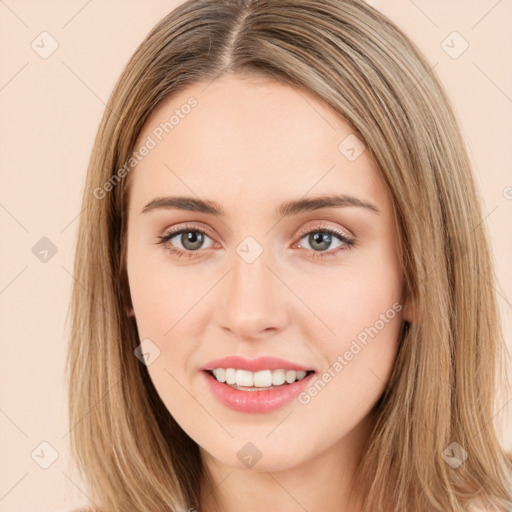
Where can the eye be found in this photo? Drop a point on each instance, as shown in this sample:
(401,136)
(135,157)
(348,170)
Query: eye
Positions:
(191,239)
(320,240)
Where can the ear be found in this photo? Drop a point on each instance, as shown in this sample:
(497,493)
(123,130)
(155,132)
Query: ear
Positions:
(130,312)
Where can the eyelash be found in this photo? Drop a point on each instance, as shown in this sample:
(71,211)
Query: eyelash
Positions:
(165,239)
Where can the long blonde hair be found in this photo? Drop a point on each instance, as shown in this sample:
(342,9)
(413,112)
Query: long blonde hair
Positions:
(131,453)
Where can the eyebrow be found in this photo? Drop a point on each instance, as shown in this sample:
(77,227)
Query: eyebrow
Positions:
(286,209)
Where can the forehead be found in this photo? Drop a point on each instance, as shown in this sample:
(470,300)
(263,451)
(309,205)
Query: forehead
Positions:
(250,135)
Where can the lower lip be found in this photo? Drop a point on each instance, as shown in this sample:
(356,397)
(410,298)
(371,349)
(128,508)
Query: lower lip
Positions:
(256,401)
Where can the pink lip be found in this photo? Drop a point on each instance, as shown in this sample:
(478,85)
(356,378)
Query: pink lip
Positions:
(255,401)
(254,365)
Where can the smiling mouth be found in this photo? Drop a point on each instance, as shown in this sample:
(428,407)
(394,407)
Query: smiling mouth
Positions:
(262,380)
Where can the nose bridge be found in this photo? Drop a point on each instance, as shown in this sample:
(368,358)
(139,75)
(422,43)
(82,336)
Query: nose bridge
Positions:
(251,304)
(250,272)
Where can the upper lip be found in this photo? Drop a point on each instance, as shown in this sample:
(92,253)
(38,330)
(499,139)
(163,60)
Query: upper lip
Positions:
(254,365)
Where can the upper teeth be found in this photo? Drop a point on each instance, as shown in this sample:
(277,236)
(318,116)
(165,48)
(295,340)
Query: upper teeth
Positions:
(261,379)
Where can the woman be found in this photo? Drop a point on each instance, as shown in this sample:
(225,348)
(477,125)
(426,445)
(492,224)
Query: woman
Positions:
(282,294)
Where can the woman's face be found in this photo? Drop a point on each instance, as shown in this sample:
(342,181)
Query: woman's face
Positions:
(275,272)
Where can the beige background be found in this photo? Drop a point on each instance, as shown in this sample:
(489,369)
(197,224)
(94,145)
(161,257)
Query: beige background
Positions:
(50,110)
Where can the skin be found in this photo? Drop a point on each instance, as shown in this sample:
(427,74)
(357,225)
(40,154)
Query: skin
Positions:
(251,144)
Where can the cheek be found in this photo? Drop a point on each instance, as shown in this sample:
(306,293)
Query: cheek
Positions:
(161,298)
(358,364)
(162,304)
(355,300)
(363,312)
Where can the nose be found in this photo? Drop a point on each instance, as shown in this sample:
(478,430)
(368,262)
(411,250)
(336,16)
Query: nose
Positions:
(252,300)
